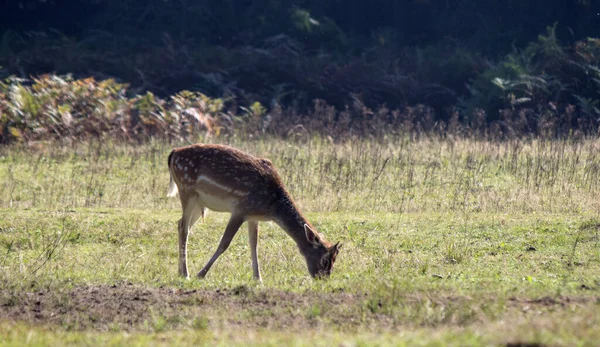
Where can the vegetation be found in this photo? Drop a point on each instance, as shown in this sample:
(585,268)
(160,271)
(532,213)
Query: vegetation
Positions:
(52,107)
(452,146)
(463,242)
(493,61)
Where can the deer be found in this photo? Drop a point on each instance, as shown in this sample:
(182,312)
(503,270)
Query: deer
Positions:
(225,179)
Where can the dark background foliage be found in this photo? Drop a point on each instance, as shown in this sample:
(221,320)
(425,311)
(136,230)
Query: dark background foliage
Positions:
(460,57)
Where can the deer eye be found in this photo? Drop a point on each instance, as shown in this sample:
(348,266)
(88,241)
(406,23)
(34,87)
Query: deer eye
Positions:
(325,263)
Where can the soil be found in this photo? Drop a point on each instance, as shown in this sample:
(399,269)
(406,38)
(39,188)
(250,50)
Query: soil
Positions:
(130,307)
(125,306)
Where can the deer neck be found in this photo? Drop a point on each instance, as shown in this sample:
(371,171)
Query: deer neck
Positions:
(290,219)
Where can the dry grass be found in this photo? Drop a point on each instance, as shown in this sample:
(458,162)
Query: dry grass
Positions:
(400,175)
(446,242)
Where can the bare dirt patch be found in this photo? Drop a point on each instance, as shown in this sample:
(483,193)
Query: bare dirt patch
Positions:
(549,302)
(129,307)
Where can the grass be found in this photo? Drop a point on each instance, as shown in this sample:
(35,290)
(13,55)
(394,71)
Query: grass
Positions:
(457,242)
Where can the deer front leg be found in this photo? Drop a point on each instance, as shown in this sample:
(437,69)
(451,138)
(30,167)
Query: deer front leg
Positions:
(253,238)
(183,230)
(232,228)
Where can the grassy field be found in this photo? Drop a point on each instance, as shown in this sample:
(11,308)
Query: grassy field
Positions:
(446,242)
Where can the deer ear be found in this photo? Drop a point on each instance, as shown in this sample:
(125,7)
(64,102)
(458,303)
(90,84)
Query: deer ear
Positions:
(311,236)
(337,246)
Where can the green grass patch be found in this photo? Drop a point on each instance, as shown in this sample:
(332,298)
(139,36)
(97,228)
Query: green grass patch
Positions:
(463,243)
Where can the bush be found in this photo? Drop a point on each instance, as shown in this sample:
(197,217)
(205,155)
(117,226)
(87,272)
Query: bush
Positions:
(54,107)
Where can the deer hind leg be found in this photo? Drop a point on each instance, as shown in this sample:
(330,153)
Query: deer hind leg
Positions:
(199,211)
(232,228)
(253,238)
(192,210)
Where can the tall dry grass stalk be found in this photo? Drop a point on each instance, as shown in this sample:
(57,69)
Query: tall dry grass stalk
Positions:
(401,174)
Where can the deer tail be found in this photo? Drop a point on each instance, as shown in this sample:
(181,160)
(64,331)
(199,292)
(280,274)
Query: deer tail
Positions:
(172,190)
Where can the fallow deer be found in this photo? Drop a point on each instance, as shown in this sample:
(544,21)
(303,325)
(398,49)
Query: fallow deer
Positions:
(225,179)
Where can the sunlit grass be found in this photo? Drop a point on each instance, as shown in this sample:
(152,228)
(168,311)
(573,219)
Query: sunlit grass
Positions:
(394,176)
(444,242)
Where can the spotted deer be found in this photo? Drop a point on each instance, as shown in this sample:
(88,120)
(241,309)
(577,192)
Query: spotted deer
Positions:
(225,179)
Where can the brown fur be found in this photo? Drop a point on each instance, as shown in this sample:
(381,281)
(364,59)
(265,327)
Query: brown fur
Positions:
(226,179)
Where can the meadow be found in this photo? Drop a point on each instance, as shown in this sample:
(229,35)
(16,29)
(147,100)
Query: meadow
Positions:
(446,241)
